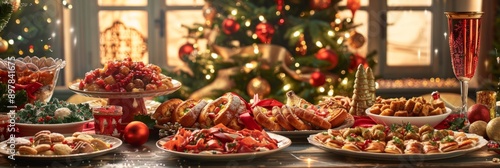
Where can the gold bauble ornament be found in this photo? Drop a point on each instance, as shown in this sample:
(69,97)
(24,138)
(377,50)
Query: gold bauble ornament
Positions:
(3,45)
(357,40)
(492,129)
(259,86)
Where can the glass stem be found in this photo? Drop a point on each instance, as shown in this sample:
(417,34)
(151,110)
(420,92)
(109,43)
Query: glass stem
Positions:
(464,85)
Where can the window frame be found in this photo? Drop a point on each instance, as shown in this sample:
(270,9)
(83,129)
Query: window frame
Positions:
(440,65)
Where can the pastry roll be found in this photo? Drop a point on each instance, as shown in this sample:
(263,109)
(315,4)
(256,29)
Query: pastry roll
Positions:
(425,129)
(413,147)
(375,147)
(351,146)
(466,144)
(430,147)
(394,146)
(448,144)
(335,142)
(322,136)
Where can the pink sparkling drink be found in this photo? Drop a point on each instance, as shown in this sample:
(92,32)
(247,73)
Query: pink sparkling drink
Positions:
(464,32)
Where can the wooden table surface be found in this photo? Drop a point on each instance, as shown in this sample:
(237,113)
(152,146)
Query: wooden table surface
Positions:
(299,154)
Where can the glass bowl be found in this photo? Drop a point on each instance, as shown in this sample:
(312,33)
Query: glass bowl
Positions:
(37,76)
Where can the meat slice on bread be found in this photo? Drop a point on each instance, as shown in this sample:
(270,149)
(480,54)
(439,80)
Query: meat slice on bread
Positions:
(188,111)
(165,112)
(220,111)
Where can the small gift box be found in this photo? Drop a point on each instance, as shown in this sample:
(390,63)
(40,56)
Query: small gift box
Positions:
(107,120)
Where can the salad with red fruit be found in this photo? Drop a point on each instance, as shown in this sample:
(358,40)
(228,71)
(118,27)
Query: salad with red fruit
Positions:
(126,76)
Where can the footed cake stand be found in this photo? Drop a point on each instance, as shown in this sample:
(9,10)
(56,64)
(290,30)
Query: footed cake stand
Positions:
(132,103)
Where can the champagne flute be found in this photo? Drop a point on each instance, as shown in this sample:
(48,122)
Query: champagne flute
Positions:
(463,33)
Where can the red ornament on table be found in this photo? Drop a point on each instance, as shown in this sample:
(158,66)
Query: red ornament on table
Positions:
(328,55)
(265,32)
(185,49)
(355,61)
(320,4)
(230,26)
(353,5)
(317,79)
(136,133)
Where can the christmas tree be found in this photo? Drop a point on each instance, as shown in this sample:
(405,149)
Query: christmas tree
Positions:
(270,47)
(33,28)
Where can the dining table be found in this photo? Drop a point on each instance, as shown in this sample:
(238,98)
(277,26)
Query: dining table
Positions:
(299,154)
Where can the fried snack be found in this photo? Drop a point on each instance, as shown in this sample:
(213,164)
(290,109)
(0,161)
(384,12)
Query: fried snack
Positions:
(375,110)
(22,142)
(401,114)
(187,112)
(310,116)
(265,118)
(164,113)
(387,112)
(280,119)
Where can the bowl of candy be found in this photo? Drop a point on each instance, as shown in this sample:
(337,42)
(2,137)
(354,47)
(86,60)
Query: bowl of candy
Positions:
(30,79)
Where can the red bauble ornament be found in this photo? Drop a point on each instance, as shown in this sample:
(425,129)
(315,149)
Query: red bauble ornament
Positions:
(136,133)
(265,32)
(353,5)
(185,49)
(355,61)
(317,79)
(328,55)
(320,4)
(230,26)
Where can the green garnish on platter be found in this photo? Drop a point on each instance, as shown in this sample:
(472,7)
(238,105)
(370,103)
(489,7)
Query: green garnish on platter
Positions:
(54,112)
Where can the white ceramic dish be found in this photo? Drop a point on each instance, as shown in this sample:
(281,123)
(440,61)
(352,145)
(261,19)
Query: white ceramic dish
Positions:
(400,157)
(416,120)
(283,142)
(115,142)
(65,128)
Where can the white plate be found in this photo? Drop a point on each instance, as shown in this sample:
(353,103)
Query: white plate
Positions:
(283,142)
(348,122)
(415,120)
(63,128)
(123,95)
(115,142)
(395,157)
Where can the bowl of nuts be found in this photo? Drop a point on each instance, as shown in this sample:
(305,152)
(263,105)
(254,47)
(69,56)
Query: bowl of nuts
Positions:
(30,79)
